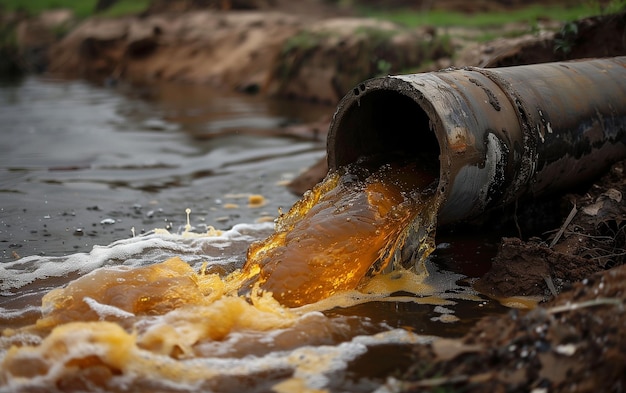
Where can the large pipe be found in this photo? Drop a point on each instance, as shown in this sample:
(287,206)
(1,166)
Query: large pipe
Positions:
(492,135)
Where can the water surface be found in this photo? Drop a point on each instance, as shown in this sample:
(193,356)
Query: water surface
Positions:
(82,165)
(88,173)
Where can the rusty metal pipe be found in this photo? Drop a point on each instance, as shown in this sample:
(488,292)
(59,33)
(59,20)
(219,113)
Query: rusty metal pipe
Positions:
(492,135)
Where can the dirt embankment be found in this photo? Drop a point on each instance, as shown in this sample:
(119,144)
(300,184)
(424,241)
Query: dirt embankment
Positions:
(574,341)
(316,51)
(273,52)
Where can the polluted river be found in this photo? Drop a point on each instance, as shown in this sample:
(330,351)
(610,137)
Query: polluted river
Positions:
(149,244)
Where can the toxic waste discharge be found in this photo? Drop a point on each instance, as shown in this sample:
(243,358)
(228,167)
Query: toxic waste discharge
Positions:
(133,322)
(120,326)
(350,226)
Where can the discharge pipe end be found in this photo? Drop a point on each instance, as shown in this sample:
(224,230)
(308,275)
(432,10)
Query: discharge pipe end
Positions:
(490,136)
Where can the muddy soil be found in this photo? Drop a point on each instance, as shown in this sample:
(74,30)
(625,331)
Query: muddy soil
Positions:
(573,343)
(574,340)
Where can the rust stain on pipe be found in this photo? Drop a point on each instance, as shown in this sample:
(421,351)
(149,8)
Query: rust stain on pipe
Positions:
(492,135)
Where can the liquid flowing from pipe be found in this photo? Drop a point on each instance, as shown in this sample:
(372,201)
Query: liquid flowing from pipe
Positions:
(350,226)
(120,326)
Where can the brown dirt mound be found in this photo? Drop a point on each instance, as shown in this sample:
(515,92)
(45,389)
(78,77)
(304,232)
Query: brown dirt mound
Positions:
(575,343)
(592,238)
(600,36)
(279,54)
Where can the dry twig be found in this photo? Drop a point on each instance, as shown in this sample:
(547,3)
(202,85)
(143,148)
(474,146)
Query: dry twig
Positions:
(569,219)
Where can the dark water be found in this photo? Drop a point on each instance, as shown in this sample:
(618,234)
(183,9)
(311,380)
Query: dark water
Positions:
(82,165)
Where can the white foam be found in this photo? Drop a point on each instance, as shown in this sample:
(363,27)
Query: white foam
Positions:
(315,364)
(312,365)
(105,310)
(134,251)
(443,310)
(8,314)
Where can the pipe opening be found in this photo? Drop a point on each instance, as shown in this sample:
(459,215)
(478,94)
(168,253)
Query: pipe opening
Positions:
(384,126)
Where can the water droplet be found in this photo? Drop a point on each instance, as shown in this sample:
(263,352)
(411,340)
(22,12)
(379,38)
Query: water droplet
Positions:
(188,225)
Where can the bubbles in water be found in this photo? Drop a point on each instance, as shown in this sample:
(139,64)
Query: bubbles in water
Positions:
(174,310)
(344,229)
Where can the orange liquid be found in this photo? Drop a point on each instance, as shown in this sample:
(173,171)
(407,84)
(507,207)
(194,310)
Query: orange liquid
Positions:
(140,323)
(342,231)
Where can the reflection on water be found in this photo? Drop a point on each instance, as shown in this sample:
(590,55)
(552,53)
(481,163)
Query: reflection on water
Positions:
(162,310)
(82,165)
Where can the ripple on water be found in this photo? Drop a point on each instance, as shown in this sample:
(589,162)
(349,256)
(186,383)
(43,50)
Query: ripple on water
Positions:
(185,347)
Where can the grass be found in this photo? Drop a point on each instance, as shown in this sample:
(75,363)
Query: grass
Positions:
(410,18)
(531,15)
(127,7)
(81,8)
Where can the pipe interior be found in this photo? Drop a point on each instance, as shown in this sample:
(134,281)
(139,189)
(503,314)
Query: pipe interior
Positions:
(383,126)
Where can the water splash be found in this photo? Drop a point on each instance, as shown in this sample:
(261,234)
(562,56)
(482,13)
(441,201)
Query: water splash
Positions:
(350,226)
(185,323)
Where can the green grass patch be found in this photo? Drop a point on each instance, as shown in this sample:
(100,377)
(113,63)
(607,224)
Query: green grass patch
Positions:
(302,41)
(126,7)
(81,8)
(531,14)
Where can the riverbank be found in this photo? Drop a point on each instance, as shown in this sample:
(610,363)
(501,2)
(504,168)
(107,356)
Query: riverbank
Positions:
(316,51)
(573,340)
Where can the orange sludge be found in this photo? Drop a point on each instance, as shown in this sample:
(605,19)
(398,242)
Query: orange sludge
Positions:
(344,229)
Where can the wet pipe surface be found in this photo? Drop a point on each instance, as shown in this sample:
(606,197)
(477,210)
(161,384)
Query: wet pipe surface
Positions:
(153,325)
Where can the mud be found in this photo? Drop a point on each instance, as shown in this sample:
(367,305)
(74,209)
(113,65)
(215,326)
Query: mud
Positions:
(275,52)
(592,240)
(600,36)
(574,343)
(574,339)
